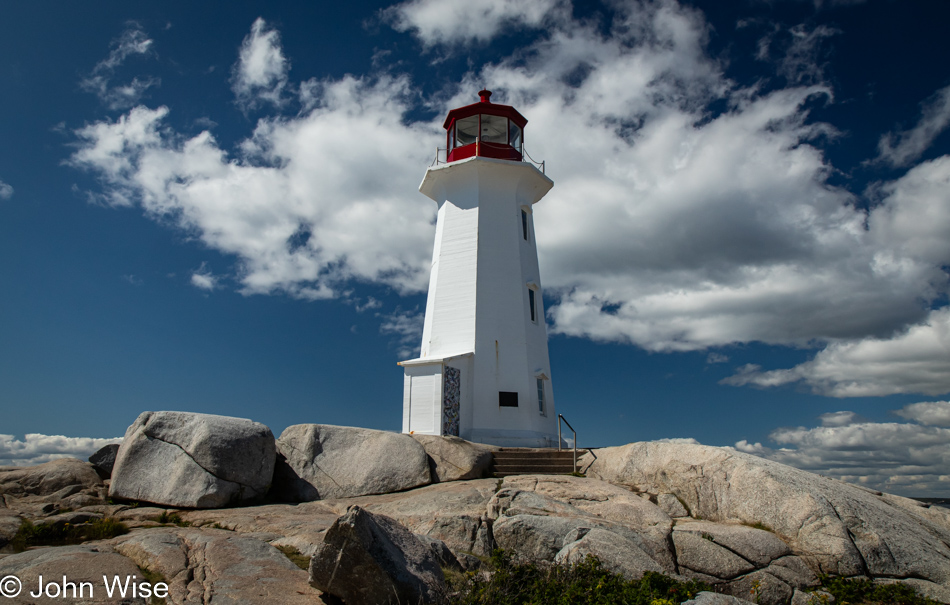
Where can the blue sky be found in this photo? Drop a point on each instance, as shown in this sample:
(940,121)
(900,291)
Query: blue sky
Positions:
(213,207)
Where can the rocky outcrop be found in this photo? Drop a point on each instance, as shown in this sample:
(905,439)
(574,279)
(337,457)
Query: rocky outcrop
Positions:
(200,563)
(836,528)
(368,559)
(193,460)
(80,564)
(46,489)
(49,479)
(454,459)
(321,461)
(754,529)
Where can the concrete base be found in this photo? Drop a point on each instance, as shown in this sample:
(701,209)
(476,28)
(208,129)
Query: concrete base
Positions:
(511,438)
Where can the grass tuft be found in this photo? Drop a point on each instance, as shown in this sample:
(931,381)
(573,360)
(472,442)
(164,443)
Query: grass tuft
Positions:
(862,591)
(298,558)
(55,534)
(585,583)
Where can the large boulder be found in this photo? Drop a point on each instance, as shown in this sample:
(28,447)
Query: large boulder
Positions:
(836,528)
(368,559)
(193,460)
(455,459)
(321,461)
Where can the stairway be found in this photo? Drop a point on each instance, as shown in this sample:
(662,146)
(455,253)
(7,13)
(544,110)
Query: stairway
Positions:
(533,461)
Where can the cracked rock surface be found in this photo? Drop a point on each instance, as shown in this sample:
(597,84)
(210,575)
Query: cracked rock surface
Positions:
(834,527)
(193,460)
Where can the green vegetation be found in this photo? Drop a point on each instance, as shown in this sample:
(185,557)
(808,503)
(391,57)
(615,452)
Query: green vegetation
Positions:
(298,558)
(153,578)
(56,534)
(861,591)
(586,583)
(167,518)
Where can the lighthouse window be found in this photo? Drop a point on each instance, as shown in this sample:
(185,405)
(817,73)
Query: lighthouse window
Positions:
(494,129)
(508,399)
(524,225)
(514,135)
(466,130)
(541,396)
(531,305)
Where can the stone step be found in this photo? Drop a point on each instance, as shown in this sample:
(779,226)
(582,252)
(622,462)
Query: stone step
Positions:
(533,461)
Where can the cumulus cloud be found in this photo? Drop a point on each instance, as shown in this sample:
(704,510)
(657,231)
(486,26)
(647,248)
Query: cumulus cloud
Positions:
(902,148)
(672,226)
(133,41)
(437,22)
(6,191)
(914,361)
(904,458)
(306,204)
(260,75)
(36,448)
(929,413)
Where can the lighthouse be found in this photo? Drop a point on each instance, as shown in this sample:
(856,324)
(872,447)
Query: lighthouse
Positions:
(483,372)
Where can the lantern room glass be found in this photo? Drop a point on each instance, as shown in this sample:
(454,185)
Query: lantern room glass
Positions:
(514,135)
(494,129)
(466,131)
(499,136)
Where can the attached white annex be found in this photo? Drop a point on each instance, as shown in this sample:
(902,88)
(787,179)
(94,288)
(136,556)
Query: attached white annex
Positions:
(483,373)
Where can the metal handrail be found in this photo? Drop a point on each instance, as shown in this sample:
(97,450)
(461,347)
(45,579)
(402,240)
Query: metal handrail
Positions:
(561,418)
(478,144)
(540,165)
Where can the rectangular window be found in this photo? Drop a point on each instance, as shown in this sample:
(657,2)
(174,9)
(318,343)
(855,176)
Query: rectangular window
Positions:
(514,135)
(534,315)
(541,396)
(524,225)
(466,130)
(494,129)
(507,399)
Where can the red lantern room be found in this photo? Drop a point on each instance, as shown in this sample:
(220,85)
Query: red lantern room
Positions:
(485,129)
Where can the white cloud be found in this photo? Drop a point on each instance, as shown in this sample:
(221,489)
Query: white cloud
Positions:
(835,419)
(717,358)
(902,148)
(929,413)
(36,448)
(438,22)
(133,41)
(306,204)
(260,75)
(204,279)
(914,361)
(671,226)
(902,458)
(406,327)
(6,191)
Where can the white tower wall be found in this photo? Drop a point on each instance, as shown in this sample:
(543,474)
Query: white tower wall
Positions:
(478,317)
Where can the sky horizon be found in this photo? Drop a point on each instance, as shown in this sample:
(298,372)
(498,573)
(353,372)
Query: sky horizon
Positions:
(215,209)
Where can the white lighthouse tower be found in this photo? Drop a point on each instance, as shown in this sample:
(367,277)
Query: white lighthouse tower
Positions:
(483,372)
